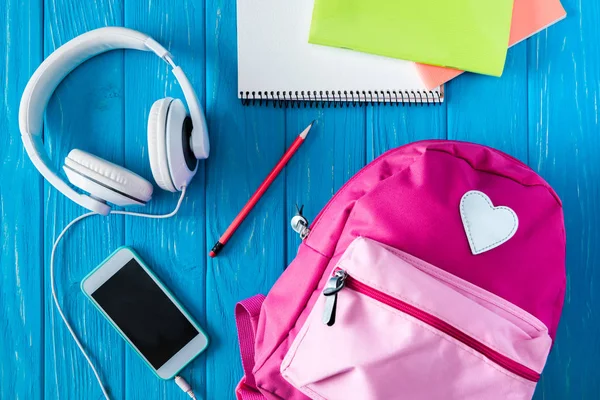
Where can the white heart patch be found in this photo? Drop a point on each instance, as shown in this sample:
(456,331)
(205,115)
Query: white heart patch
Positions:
(486,226)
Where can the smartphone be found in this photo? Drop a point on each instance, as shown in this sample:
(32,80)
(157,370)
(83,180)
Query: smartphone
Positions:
(144,312)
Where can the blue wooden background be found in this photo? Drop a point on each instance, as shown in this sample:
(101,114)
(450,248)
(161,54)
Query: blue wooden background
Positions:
(544,111)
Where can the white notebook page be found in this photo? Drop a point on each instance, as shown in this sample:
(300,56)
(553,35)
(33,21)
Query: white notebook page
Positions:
(274,56)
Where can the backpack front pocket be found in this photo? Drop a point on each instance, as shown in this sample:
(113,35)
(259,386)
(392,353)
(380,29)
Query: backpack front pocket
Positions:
(392,326)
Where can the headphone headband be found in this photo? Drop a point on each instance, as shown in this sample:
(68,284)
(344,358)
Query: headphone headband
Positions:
(58,65)
(65,59)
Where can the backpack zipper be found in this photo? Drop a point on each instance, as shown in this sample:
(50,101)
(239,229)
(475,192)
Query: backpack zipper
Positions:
(333,286)
(300,223)
(341,279)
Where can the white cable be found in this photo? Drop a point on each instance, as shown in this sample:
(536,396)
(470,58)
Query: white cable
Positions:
(185,387)
(53,285)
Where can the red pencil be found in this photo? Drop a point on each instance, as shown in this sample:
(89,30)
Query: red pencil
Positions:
(259,192)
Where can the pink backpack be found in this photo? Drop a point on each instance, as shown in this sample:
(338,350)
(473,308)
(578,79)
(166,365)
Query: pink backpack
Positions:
(436,272)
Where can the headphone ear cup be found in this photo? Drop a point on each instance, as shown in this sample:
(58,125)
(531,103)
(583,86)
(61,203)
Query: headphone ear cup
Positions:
(105,180)
(157,145)
(180,158)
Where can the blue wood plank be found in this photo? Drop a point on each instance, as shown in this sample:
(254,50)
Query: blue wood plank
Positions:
(492,111)
(21,208)
(332,153)
(392,126)
(247,142)
(175,248)
(86,112)
(564,92)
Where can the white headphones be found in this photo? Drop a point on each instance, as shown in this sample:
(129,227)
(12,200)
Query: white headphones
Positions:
(175,140)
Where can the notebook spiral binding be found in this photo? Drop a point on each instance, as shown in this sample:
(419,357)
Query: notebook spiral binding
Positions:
(327,99)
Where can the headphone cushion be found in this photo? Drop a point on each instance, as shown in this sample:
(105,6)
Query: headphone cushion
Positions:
(180,157)
(109,175)
(157,146)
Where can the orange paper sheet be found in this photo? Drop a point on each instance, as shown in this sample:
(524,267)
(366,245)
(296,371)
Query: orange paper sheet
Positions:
(529,17)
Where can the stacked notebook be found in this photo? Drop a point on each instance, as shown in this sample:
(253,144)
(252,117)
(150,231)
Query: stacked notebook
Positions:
(277,64)
(529,17)
(466,34)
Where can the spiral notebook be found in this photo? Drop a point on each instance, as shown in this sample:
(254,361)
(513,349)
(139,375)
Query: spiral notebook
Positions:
(277,65)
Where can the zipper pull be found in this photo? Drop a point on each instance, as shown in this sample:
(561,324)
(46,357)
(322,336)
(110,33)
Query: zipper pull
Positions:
(300,223)
(334,285)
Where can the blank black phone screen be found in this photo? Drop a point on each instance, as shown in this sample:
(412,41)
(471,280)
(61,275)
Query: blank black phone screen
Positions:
(145,314)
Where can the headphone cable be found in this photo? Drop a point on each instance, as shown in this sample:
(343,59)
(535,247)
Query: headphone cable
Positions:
(53,283)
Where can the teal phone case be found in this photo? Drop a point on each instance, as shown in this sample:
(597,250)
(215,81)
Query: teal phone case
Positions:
(163,287)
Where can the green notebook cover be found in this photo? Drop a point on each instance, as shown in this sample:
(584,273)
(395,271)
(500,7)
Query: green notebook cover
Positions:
(471,35)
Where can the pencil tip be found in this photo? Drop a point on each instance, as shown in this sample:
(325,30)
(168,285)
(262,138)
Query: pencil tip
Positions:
(305,131)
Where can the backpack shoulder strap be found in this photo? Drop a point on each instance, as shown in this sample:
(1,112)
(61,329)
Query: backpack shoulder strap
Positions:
(246,319)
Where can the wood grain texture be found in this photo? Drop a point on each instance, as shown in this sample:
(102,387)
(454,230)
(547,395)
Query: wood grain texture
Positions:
(21,211)
(492,111)
(393,126)
(544,111)
(246,144)
(174,248)
(86,112)
(564,92)
(333,152)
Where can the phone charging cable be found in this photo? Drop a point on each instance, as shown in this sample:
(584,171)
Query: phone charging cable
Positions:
(184,386)
(178,379)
